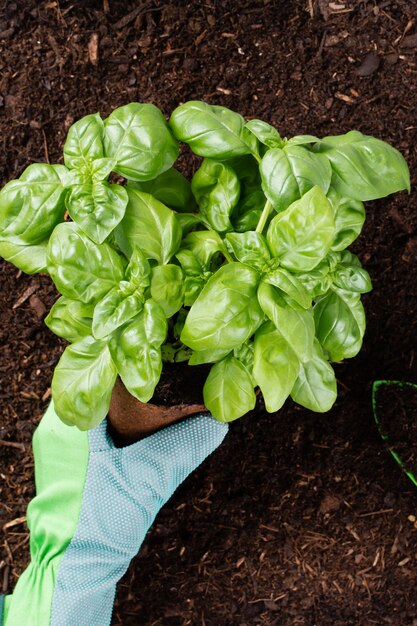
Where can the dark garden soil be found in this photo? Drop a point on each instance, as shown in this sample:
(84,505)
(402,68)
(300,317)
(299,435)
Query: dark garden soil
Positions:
(299,519)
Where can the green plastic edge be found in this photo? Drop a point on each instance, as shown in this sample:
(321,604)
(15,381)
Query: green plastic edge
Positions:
(375,387)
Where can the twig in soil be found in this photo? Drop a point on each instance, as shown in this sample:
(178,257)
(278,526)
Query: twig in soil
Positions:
(25,295)
(5,582)
(134,14)
(380,512)
(45,146)
(13,444)
(8,550)
(14,522)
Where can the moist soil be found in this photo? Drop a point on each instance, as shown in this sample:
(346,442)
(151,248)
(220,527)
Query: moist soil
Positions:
(299,519)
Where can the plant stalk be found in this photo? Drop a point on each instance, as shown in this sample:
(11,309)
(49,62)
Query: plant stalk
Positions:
(264,217)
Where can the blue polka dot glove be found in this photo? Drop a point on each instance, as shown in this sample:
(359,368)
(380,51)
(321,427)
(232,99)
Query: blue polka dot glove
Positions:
(93,507)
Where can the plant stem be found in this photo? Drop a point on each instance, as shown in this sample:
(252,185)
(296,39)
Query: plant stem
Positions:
(227,256)
(264,217)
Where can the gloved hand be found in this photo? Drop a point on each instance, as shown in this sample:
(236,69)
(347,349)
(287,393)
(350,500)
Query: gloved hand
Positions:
(93,507)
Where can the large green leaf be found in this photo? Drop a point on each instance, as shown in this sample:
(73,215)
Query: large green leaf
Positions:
(228,390)
(288,173)
(216,188)
(295,325)
(139,139)
(84,142)
(210,130)
(33,205)
(97,208)
(136,351)
(171,188)
(149,225)
(340,323)
(226,313)
(302,235)
(31,259)
(81,269)
(70,319)
(275,367)
(349,219)
(364,168)
(315,387)
(82,383)
(167,287)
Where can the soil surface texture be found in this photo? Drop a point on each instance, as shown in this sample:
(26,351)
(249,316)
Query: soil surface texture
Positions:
(299,519)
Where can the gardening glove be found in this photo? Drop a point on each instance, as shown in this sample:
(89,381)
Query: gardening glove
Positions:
(93,507)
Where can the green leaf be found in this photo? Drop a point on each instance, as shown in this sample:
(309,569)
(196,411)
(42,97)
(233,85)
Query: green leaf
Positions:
(101,168)
(226,313)
(188,221)
(290,285)
(207,356)
(349,274)
(210,130)
(317,281)
(249,248)
(70,319)
(82,383)
(193,285)
(204,244)
(275,367)
(296,326)
(248,219)
(216,188)
(252,199)
(190,263)
(138,271)
(228,390)
(149,225)
(171,188)
(364,168)
(81,269)
(114,310)
(315,388)
(84,142)
(32,206)
(290,173)
(139,139)
(30,259)
(340,323)
(349,218)
(244,354)
(195,275)
(167,288)
(97,208)
(302,140)
(302,235)
(136,351)
(265,133)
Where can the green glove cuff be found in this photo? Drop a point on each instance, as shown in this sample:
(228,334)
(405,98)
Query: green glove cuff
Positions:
(52,516)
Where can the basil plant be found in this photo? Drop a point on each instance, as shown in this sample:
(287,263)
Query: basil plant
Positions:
(245,267)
